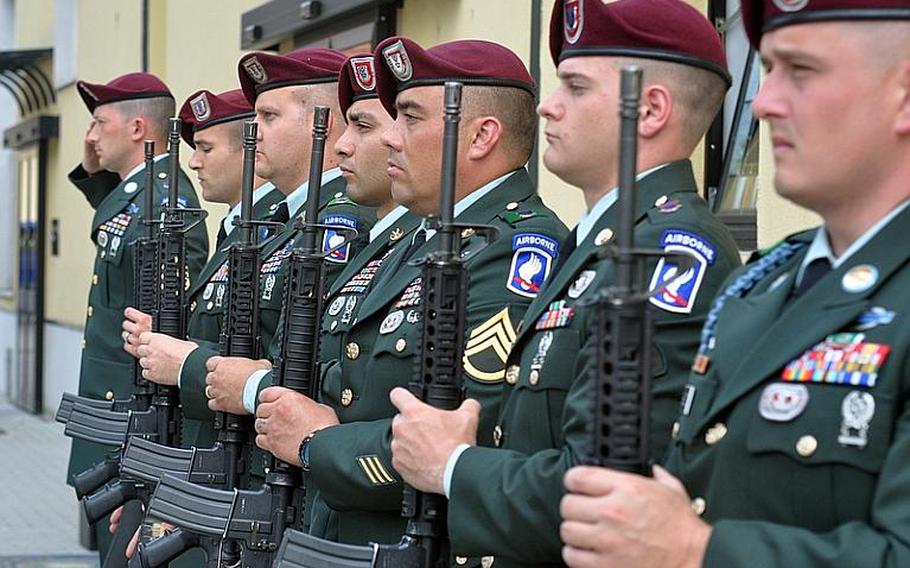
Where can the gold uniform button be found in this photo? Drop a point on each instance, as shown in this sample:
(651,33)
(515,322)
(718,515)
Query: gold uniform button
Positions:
(806,446)
(715,433)
(603,237)
(94,279)
(90,311)
(534,377)
(347,397)
(467,233)
(661,200)
(675,432)
(699,505)
(461,560)
(352,350)
(497,435)
(109,395)
(512,206)
(487,561)
(334,325)
(512,374)
(401,344)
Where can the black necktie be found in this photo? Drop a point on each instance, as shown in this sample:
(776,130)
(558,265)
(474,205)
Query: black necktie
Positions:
(222,235)
(814,272)
(281,214)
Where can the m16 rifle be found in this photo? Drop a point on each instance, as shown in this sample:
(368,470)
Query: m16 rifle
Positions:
(160,422)
(437,381)
(247,525)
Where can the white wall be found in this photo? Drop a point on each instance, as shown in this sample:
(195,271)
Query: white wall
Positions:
(62,355)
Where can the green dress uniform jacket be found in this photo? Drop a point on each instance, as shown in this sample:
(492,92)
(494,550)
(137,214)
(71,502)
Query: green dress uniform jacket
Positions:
(795,443)
(208,302)
(333,204)
(106,369)
(370,346)
(504,500)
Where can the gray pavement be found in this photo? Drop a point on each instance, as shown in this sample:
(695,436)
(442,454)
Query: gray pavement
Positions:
(38,511)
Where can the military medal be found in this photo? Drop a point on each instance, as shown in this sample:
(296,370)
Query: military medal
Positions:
(859,278)
(873,318)
(349,306)
(413,316)
(130,187)
(219,295)
(209,290)
(391,322)
(858,409)
(335,307)
(783,402)
(841,359)
(102,239)
(558,314)
(411,295)
(581,283)
(115,245)
(543,346)
(268,287)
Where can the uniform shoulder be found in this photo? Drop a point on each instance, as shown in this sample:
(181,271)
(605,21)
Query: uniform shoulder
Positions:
(531,215)
(340,206)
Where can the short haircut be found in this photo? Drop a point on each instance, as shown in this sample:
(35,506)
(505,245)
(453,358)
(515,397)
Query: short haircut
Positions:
(156,111)
(325,94)
(235,134)
(515,108)
(698,94)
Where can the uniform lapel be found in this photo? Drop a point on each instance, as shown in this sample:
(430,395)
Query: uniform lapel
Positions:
(824,309)
(117,200)
(516,188)
(672,178)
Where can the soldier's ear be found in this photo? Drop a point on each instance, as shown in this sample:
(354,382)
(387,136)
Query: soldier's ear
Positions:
(902,124)
(139,129)
(484,134)
(656,109)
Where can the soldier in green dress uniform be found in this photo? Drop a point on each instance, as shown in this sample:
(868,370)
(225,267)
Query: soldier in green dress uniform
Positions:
(794,435)
(125,112)
(213,127)
(284,89)
(504,498)
(370,334)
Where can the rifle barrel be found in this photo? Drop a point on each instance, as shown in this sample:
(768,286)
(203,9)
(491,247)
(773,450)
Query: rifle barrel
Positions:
(320,128)
(630,96)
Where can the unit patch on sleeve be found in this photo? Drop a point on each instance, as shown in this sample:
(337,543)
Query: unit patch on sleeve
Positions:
(332,238)
(488,347)
(532,263)
(678,296)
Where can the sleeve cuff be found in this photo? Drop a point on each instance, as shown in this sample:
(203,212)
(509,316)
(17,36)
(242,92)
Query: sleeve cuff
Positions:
(251,388)
(450,468)
(180,371)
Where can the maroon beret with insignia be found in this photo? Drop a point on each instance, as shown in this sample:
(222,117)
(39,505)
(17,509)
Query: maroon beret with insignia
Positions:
(260,72)
(760,16)
(357,81)
(124,88)
(204,108)
(668,30)
(402,64)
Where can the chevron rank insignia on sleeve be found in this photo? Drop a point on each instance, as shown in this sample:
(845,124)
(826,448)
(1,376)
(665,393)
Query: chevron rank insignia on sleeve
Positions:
(488,347)
(375,471)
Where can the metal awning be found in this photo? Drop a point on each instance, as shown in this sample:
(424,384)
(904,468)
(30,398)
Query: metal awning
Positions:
(21,75)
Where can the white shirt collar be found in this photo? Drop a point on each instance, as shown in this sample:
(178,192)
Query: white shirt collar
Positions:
(462,205)
(821,247)
(590,217)
(297,200)
(386,222)
(258,193)
(141,166)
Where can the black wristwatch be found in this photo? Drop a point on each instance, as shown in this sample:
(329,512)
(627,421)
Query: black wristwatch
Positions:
(304,451)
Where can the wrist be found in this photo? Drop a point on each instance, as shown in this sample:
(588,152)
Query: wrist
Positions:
(697,546)
(303,453)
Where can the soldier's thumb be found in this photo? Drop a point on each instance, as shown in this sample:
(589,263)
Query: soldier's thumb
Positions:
(667,479)
(470,406)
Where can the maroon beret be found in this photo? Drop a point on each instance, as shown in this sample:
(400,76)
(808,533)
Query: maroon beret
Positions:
(669,30)
(760,16)
(357,81)
(260,72)
(204,108)
(124,88)
(403,64)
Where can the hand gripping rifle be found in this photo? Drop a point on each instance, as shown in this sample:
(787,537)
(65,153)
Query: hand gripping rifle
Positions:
(160,422)
(437,381)
(255,520)
(622,325)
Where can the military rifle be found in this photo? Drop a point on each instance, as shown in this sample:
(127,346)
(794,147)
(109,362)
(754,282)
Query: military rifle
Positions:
(437,381)
(160,422)
(254,520)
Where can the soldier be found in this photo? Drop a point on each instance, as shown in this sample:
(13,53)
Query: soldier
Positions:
(281,411)
(125,112)
(370,341)
(283,89)
(213,127)
(496,493)
(793,437)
